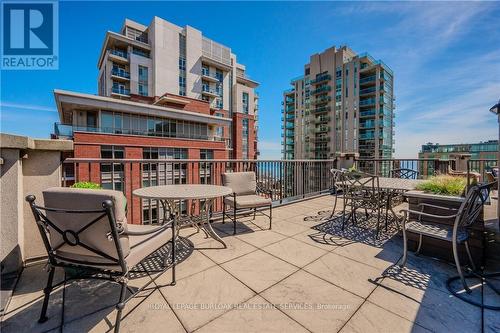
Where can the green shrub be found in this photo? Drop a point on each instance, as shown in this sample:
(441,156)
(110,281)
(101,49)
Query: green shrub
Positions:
(444,185)
(88,185)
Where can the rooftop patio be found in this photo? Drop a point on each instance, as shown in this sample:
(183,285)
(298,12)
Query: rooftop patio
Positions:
(305,274)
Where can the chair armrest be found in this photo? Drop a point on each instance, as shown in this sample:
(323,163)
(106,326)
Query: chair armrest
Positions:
(406,212)
(423,205)
(152,231)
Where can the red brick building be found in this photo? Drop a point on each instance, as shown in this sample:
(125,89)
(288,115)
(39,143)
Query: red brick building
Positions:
(165,128)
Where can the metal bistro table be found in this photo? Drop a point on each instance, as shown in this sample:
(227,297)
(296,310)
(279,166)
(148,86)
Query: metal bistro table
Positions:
(393,187)
(170,196)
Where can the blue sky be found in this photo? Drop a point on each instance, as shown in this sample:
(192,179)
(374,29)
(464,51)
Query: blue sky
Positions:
(445,56)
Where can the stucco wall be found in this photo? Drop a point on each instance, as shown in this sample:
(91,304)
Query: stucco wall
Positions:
(28,166)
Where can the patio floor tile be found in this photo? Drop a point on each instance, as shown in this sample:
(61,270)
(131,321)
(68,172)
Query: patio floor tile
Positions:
(345,273)
(319,239)
(204,296)
(288,228)
(260,238)
(256,315)
(294,251)
(429,308)
(316,304)
(259,270)
(372,318)
(235,248)
(24,317)
(377,257)
(195,263)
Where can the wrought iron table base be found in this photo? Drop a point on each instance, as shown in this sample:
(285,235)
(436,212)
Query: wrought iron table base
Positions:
(205,225)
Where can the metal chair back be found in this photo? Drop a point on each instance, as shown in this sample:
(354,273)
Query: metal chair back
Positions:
(69,243)
(404,173)
(474,201)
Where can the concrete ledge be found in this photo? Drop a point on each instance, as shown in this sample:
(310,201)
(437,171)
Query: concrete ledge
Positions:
(23,142)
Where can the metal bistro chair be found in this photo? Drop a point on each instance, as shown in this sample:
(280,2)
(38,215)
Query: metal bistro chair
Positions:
(337,178)
(361,191)
(245,196)
(404,173)
(87,229)
(457,234)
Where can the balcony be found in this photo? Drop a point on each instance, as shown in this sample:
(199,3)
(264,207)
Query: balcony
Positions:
(367,102)
(367,91)
(120,91)
(321,78)
(120,74)
(321,90)
(306,273)
(322,129)
(368,79)
(322,99)
(118,56)
(209,91)
(321,109)
(67,131)
(206,75)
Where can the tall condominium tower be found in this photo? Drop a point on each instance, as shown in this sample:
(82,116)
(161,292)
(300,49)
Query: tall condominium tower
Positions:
(342,103)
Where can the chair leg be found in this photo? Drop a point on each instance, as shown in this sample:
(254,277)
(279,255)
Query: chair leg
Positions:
(223,213)
(254,212)
(121,304)
(405,250)
(378,223)
(419,247)
(469,254)
(459,268)
(270,217)
(48,289)
(334,207)
(234,220)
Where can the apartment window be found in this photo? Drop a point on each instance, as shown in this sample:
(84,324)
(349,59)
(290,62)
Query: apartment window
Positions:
(205,70)
(163,173)
(206,154)
(218,103)
(182,85)
(338,72)
(219,75)
(182,63)
(244,102)
(143,80)
(244,134)
(138,35)
(140,52)
(112,173)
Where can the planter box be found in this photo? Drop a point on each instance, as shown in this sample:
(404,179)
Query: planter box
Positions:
(438,248)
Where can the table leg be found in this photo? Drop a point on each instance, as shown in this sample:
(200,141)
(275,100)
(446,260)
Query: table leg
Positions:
(205,221)
(174,211)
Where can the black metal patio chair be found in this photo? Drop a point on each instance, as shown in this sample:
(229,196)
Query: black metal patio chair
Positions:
(457,234)
(87,230)
(361,191)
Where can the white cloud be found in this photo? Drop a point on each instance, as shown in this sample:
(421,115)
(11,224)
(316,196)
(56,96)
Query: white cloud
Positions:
(27,107)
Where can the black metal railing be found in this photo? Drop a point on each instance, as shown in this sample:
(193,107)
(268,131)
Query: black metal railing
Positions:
(481,167)
(425,167)
(286,180)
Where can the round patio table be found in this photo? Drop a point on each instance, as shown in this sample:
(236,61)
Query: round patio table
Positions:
(171,195)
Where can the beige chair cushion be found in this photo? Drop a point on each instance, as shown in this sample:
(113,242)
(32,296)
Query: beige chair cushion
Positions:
(143,246)
(247,201)
(95,236)
(242,183)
